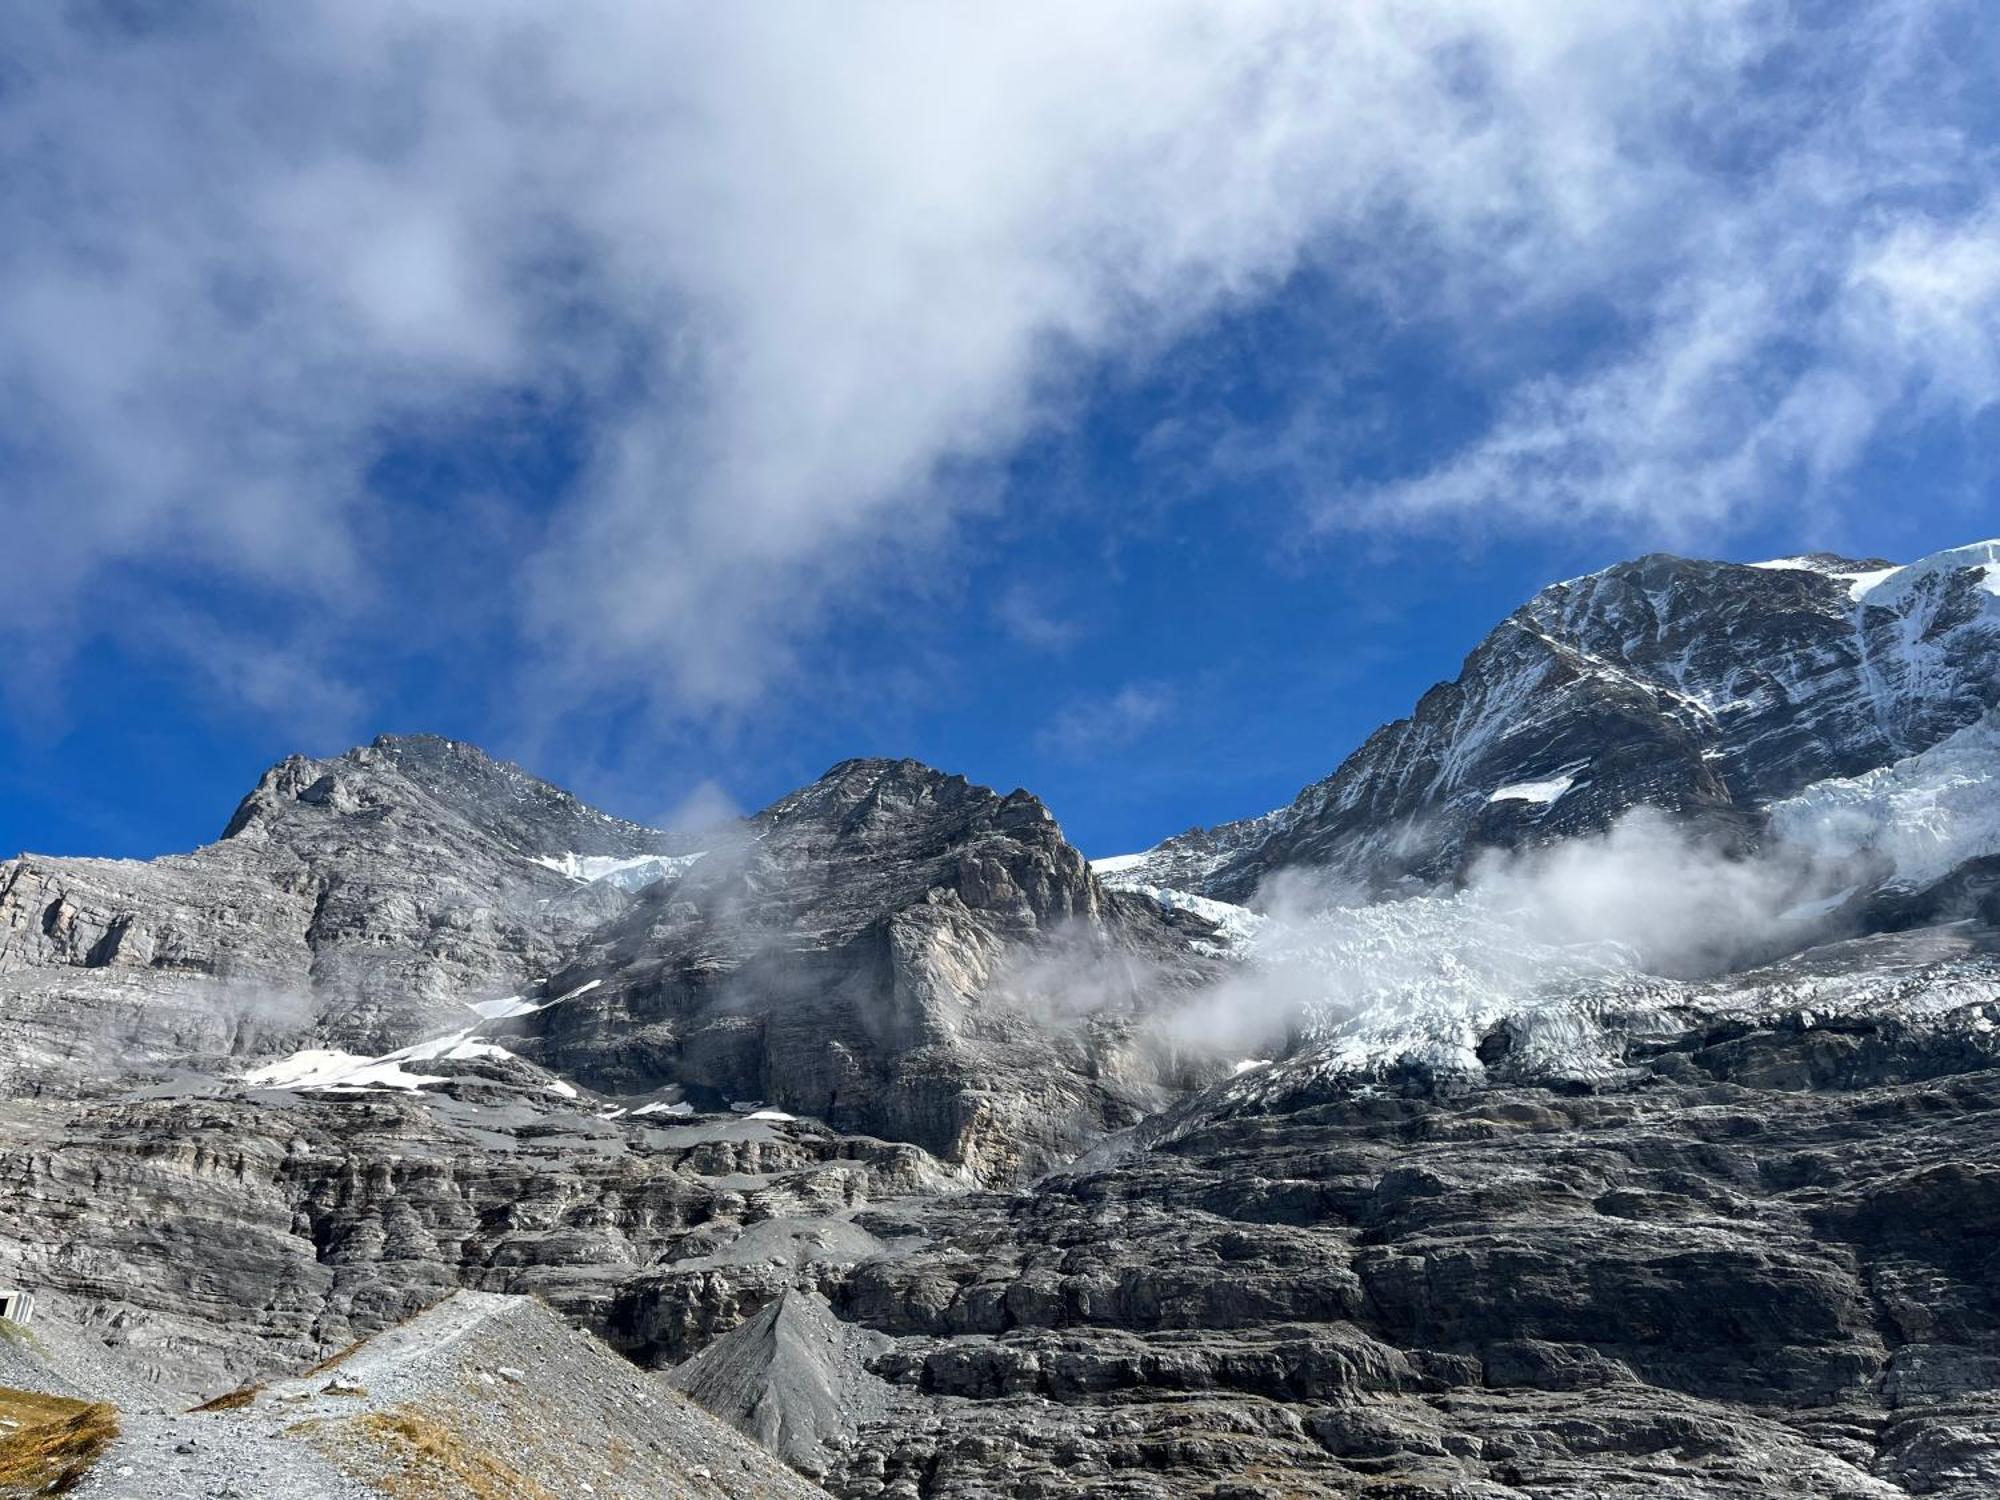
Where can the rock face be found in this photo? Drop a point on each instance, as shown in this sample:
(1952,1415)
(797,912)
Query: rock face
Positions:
(903,1142)
(360,901)
(1708,689)
(897,952)
(1758,1263)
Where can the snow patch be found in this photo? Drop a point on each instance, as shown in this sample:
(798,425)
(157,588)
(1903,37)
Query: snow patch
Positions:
(1541,792)
(327,1070)
(1116,864)
(502,1009)
(635,873)
(1237,924)
(1889,586)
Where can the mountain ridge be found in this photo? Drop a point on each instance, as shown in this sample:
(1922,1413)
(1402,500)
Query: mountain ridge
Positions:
(1637,675)
(1463,1189)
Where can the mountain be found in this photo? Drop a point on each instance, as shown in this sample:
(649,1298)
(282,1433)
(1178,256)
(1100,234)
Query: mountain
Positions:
(1708,689)
(361,900)
(1612,1115)
(898,952)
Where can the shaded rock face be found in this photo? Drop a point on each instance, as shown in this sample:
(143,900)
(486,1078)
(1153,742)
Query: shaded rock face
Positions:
(1707,689)
(210,1239)
(897,952)
(1763,1264)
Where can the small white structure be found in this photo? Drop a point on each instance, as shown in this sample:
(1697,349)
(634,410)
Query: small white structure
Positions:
(17,1305)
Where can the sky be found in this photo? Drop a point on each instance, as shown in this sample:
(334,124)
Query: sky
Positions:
(1136,402)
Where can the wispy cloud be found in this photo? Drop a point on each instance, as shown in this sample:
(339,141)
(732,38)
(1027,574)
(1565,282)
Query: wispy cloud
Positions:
(1841,285)
(1095,726)
(796,273)
(1028,617)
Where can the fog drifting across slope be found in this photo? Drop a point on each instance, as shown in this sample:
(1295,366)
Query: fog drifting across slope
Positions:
(1641,898)
(1549,933)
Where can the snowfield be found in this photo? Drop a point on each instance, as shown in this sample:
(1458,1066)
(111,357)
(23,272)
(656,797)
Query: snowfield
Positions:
(1925,814)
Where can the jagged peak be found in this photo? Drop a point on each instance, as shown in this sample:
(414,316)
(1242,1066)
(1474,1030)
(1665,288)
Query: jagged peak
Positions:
(531,816)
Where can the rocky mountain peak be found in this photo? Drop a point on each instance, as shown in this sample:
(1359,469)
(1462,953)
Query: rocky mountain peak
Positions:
(1709,689)
(432,781)
(949,1169)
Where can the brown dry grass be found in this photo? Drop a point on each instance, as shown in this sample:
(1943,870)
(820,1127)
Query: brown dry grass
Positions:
(55,1442)
(442,1466)
(234,1400)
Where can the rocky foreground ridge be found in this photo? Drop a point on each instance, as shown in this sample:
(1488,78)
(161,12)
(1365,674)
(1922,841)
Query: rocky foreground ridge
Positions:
(937,1163)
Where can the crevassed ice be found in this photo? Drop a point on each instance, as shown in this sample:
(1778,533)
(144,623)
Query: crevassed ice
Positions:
(1926,814)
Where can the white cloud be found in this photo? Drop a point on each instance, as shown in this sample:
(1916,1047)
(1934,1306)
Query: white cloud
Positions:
(1095,726)
(1842,286)
(797,269)
(1026,616)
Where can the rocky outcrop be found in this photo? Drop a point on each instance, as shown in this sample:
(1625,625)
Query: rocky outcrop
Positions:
(1707,689)
(899,953)
(213,1238)
(359,901)
(1758,1263)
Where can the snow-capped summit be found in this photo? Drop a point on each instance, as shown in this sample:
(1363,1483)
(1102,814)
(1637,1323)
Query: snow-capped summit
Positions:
(1709,689)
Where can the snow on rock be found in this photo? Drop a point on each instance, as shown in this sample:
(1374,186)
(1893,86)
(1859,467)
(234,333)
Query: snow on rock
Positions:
(1926,814)
(770,1114)
(327,1071)
(1541,792)
(1887,588)
(503,1009)
(320,1070)
(509,1006)
(457,1046)
(1118,864)
(1237,924)
(631,874)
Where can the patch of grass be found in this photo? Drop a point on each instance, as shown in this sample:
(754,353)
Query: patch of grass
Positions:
(54,1442)
(234,1400)
(440,1465)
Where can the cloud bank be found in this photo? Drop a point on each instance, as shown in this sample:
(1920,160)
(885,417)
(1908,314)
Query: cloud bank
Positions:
(796,279)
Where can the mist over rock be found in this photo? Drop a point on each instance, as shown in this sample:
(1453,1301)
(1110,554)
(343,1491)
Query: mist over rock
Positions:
(359,901)
(1601,1101)
(898,952)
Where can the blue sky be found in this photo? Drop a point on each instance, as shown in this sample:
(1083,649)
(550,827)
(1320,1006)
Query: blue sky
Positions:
(1139,405)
